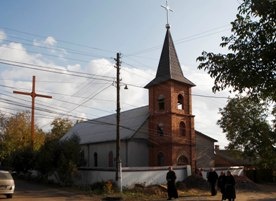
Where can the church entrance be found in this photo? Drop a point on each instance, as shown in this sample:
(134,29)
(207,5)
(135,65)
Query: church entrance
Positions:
(182,160)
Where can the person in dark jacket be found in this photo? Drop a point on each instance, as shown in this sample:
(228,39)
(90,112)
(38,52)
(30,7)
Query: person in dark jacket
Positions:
(230,192)
(221,184)
(212,178)
(171,178)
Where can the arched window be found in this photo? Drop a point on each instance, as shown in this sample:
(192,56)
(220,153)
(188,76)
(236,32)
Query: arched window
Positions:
(182,129)
(96,159)
(180,102)
(110,159)
(160,159)
(160,129)
(182,160)
(161,102)
(82,159)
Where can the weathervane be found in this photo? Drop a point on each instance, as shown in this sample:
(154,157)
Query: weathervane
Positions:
(167,8)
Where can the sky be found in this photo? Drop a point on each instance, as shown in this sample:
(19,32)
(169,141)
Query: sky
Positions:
(70,46)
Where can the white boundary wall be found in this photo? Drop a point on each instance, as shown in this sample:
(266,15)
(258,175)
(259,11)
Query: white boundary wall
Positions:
(130,175)
(235,170)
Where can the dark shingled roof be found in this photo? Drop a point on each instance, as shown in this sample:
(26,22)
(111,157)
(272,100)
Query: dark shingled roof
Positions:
(169,67)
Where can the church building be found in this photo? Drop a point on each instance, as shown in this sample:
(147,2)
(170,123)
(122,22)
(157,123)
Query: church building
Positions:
(159,134)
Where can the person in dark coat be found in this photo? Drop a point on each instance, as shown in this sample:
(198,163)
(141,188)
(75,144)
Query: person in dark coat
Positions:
(212,178)
(171,178)
(221,184)
(230,192)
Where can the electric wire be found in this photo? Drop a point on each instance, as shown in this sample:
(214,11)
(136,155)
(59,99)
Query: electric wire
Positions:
(54,70)
(60,40)
(128,84)
(183,40)
(54,55)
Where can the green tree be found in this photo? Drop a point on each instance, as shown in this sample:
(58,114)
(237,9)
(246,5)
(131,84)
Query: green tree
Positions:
(47,157)
(60,127)
(250,64)
(61,158)
(23,160)
(68,159)
(244,120)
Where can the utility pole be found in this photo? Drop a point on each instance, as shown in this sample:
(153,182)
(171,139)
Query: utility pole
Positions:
(33,94)
(118,160)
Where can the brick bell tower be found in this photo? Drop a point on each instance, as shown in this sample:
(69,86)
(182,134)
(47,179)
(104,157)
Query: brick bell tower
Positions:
(171,122)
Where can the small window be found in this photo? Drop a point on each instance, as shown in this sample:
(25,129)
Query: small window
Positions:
(180,102)
(160,129)
(161,102)
(96,159)
(160,159)
(110,159)
(182,129)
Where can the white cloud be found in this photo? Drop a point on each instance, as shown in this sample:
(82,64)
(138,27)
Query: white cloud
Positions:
(95,97)
(206,104)
(51,44)
(50,41)
(75,67)
(2,35)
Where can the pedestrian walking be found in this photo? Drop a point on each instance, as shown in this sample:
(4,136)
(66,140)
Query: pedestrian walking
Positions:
(221,185)
(171,178)
(212,178)
(230,192)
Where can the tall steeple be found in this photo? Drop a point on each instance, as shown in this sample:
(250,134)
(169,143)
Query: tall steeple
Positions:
(169,67)
(171,122)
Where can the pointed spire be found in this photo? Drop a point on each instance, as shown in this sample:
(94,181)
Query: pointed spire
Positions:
(169,67)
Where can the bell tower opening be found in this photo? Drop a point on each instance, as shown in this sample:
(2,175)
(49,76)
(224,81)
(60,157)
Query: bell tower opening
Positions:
(180,102)
(161,102)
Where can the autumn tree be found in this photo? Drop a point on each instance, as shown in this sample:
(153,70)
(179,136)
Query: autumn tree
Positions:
(60,126)
(250,64)
(245,122)
(15,141)
(16,133)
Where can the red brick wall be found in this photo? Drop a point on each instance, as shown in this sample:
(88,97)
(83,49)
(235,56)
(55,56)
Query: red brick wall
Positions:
(171,144)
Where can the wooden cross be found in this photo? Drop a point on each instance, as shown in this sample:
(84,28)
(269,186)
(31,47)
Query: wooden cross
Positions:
(33,94)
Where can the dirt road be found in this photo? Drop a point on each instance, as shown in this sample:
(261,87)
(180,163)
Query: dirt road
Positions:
(264,193)
(26,191)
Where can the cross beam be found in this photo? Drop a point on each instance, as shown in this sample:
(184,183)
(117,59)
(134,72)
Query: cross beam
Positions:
(167,8)
(33,94)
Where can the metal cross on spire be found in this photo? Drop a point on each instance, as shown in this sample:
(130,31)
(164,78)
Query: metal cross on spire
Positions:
(167,8)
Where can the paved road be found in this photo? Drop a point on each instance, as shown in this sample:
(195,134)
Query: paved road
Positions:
(25,191)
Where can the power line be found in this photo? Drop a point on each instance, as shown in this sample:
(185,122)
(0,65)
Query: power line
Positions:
(179,41)
(55,70)
(54,55)
(77,74)
(63,41)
